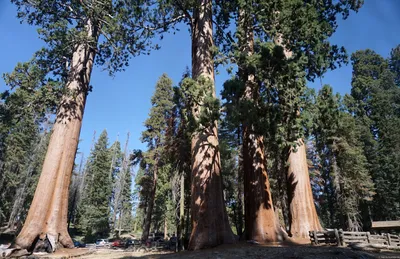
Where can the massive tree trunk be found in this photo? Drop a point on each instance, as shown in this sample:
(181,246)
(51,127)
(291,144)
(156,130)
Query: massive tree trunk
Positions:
(303,215)
(47,216)
(209,218)
(149,211)
(261,224)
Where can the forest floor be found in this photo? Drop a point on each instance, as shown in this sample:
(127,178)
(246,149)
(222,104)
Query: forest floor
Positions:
(241,250)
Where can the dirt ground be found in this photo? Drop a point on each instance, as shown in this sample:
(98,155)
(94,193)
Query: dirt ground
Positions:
(241,250)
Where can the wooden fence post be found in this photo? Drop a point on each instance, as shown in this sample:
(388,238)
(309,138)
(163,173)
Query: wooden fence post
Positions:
(315,237)
(341,236)
(368,237)
(337,238)
(389,239)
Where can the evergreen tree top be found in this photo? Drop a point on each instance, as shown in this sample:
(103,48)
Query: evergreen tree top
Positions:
(161,110)
(119,27)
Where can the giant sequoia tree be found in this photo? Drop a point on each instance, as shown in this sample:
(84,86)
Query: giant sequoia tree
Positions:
(291,45)
(210,224)
(77,34)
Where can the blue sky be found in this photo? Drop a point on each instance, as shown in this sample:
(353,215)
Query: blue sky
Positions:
(122,103)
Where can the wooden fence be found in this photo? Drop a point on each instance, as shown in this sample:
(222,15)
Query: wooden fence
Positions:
(343,238)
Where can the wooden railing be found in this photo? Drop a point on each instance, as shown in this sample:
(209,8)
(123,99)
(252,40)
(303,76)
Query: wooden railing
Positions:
(343,238)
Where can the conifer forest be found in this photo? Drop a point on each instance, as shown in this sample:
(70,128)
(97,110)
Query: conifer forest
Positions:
(264,156)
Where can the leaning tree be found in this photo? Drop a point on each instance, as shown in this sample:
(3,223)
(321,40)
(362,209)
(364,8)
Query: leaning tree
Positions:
(77,34)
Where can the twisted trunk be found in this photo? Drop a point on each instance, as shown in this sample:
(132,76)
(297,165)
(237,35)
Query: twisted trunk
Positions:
(47,216)
(210,225)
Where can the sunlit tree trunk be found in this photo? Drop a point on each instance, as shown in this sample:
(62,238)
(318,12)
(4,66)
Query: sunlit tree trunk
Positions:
(261,224)
(165,228)
(47,216)
(303,215)
(210,225)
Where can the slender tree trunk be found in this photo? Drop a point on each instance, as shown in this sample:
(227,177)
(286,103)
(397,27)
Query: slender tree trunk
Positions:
(149,211)
(19,199)
(22,192)
(165,228)
(180,236)
(210,225)
(47,216)
(121,182)
(303,215)
(121,215)
(240,188)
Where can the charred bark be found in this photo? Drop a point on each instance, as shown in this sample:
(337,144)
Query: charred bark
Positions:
(47,216)
(210,225)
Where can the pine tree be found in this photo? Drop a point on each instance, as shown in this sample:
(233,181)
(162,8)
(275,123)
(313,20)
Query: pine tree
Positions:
(115,175)
(94,218)
(374,98)
(385,169)
(24,118)
(342,161)
(125,218)
(154,136)
(178,142)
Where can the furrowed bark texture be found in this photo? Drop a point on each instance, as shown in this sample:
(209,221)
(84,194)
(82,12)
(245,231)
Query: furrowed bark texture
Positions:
(47,216)
(209,218)
(261,224)
(303,215)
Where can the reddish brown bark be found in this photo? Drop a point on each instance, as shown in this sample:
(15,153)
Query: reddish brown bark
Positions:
(209,218)
(302,213)
(261,223)
(47,216)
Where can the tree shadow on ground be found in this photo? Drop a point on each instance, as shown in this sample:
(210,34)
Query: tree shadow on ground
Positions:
(245,250)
